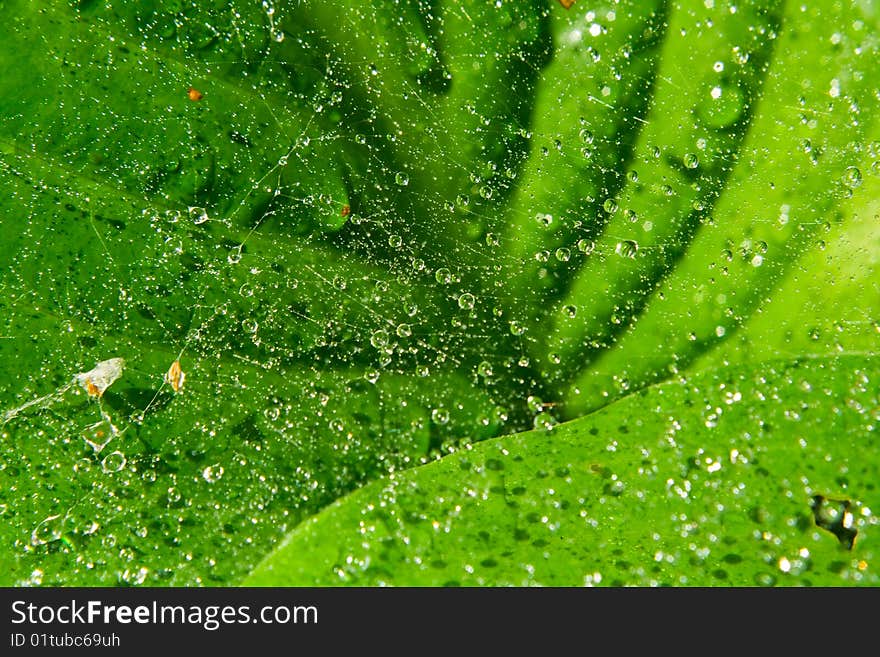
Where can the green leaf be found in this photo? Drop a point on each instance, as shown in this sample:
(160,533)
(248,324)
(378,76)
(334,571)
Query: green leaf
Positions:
(704,264)
(372,234)
(750,476)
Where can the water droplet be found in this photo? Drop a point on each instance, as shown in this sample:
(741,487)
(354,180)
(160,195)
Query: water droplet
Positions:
(234,256)
(563,254)
(395,241)
(627,249)
(466,301)
(113,462)
(516,328)
(765,579)
(443,276)
(544,220)
(404,330)
(440,416)
(50,529)
(379,339)
(198,215)
(98,435)
(484,369)
(570,310)
(401,179)
(691,161)
(545,421)
(852,177)
(610,206)
(586,246)
(212,473)
(492,239)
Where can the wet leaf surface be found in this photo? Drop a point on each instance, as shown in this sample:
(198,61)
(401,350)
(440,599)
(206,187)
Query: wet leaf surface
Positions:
(742,477)
(334,242)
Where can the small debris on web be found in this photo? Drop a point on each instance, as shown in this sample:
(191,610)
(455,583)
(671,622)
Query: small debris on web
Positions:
(101,376)
(175,376)
(94,382)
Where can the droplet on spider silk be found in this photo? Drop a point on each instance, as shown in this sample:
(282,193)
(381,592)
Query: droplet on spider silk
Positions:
(113,462)
(379,339)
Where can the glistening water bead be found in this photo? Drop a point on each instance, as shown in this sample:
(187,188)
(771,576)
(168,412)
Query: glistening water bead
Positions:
(627,249)
(113,462)
(852,177)
(379,339)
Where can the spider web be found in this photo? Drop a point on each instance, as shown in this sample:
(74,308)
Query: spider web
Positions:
(322,213)
(257,236)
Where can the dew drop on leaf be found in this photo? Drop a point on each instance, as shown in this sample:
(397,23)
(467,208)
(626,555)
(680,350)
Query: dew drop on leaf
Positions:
(212,473)
(627,248)
(852,177)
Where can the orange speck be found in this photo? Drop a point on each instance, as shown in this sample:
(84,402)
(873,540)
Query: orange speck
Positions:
(194,94)
(346,210)
(566,3)
(92,389)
